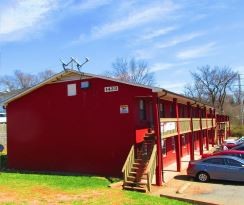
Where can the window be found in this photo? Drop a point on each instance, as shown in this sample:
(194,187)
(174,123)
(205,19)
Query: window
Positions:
(219,161)
(237,155)
(233,163)
(161,110)
(164,148)
(173,144)
(240,147)
(142,110)
(71,89)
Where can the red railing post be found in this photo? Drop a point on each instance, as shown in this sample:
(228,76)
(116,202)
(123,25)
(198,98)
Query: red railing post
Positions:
(177,138)
(206,116)
(212,128)
(157,129)
(189,115)
(201,134)
(229,126)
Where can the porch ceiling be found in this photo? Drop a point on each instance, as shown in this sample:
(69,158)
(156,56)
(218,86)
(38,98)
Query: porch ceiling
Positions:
(168,95)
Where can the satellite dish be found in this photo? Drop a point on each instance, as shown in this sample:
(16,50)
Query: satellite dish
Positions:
(1,147)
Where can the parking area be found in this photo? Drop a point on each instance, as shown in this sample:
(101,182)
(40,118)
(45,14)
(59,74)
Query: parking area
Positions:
(214,192)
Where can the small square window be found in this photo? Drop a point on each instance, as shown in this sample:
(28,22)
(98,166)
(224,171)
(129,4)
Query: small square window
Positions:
(71,89)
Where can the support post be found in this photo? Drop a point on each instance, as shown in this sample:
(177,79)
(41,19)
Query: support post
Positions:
(189,115)
(207,140)
(177,138)
(157,128)
(212,128)
(201,134)
(215,128)
(229,134)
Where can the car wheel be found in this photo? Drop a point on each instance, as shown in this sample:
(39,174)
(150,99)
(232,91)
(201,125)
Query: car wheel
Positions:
(203,177)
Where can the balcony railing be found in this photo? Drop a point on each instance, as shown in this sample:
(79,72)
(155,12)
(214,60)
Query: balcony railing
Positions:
(169,125)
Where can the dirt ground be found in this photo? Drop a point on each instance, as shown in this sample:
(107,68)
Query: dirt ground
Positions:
(44,195)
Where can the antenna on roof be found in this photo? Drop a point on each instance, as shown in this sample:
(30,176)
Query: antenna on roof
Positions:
(72,62)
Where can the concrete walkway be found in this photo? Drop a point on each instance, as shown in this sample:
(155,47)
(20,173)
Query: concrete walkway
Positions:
(179,186)
(169,172)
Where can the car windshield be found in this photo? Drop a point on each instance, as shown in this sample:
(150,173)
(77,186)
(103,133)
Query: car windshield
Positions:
(2,114)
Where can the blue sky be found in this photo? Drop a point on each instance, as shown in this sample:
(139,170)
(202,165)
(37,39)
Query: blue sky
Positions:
(173,36)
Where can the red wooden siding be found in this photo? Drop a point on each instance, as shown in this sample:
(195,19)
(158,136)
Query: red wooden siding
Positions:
(48,130)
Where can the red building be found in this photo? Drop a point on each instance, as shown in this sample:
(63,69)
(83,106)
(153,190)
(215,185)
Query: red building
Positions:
(78,122)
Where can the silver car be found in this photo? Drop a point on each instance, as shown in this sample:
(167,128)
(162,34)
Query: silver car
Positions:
(217,167)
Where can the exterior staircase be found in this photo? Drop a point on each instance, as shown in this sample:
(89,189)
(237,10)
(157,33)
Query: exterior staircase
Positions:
(140,166)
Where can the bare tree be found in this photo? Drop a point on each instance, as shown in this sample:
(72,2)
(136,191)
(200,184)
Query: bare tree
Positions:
(45,75)
(21,80)
(210,85)
(134,71)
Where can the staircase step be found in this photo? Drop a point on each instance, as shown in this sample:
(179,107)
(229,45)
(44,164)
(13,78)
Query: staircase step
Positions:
(140,189)
(137,163)
(132,173)
(135,183)
(131,178)
(138,160)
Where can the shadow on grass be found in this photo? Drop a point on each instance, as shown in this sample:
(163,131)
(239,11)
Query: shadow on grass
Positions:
(4,169)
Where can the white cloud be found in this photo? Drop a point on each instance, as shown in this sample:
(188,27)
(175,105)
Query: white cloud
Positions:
(157,33)
(143,54)
(161,66)
(239,68)
(166,66)
(180,39)
(134,19)
(91,4)
(21,16)
(174,87)
(196,52)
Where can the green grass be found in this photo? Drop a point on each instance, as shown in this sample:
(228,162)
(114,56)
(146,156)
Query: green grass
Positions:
(31,188)
(237,131)
(16,180)
(22,184)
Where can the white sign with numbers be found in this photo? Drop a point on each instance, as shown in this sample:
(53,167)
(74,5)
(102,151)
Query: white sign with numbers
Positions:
(111,89)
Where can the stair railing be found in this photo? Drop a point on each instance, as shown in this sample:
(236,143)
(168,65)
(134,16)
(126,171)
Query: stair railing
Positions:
(128,163)
(150,171)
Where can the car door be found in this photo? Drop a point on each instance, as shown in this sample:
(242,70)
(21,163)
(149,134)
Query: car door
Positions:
(235,170)
(215,167)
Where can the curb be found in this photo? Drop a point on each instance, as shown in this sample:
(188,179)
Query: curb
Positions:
(183,188)
(188,200)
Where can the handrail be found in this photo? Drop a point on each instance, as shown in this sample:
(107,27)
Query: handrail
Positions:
(128,163)
(169,125)
(151,167)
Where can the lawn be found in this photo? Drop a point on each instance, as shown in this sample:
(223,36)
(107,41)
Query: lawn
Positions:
(36,188)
